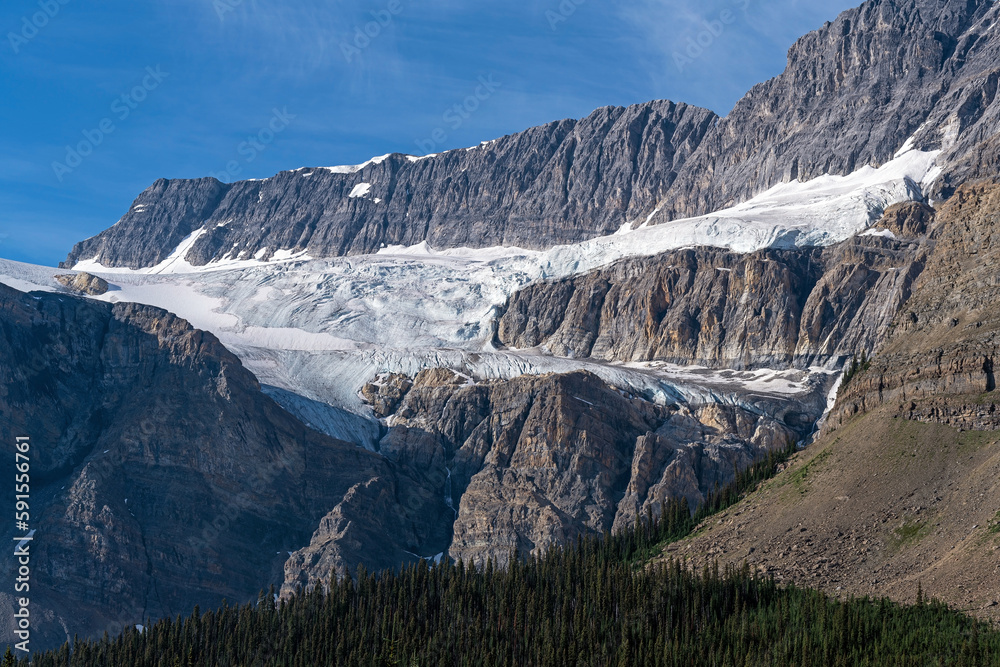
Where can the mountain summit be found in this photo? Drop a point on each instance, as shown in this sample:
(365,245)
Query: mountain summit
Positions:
(890,74)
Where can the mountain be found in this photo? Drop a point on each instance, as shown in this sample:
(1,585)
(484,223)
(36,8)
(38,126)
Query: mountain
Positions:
(890,73)
(900,493)
(540,338)
(770,308)
(591,602)
(559,183)
(161,476)
(929,66)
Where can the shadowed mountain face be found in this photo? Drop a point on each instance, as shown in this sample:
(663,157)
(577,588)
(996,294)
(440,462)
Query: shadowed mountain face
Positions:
(161,476)
(927,66)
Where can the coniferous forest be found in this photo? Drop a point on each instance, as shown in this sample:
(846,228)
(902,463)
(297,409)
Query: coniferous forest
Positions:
(601,601)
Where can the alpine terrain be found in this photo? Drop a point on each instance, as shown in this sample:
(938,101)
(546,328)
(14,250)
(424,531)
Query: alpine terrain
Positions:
(490,353)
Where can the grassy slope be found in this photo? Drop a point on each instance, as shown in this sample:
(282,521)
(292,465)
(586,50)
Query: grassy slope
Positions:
(875,508)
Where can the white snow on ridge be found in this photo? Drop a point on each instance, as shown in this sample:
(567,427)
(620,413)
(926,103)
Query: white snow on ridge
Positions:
(824,211)
(177,264)
(348,169)
(174,263)
(29,277)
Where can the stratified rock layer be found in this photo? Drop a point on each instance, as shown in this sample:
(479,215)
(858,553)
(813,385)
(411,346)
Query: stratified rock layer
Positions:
(559,183)
(899,493)
(939,362)
(84,283)
(537,461)
(772,308)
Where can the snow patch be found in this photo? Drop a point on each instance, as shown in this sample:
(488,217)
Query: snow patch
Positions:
(352,169)
(884,233)
(360,190)
(174,263)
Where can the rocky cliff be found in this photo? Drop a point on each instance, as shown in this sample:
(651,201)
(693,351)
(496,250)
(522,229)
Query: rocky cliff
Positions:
(535,461)
(898,494)
(163,478)
(938,364)
(558,183)
(772,308)
(929,66)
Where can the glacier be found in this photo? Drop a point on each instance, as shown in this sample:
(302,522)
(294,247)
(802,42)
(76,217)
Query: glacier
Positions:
(315,331)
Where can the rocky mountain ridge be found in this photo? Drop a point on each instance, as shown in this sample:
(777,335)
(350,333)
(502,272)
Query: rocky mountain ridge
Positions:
(768,309)
(559,183)
(535,461)
(133,403)
(899,493)
(938,363)
(929,65)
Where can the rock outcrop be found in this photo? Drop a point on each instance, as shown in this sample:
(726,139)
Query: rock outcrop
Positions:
(853,93)
(161,476)
(536,461)
(772,308)
(84,283)
(559,183)
(938,363)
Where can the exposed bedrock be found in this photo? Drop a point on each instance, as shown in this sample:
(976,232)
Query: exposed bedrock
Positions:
(771,308)
(939,362)
(928,68)
(161,476)
(558,183)
(534,461)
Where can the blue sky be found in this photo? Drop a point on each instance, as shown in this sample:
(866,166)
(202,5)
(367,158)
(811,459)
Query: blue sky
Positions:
(178,88)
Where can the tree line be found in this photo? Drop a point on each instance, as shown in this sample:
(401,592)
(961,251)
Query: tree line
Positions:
(603,600)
